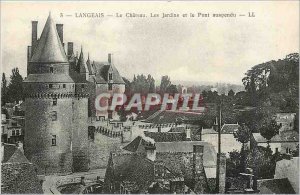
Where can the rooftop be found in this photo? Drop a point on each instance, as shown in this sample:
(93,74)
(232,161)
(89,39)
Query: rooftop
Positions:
(49,48)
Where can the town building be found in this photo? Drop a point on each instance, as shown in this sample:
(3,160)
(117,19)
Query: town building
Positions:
(286,120)
(285,142)
(179,155)
(229,142)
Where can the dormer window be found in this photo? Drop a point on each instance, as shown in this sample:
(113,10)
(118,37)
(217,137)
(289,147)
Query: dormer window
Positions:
(109,86)
(53,141)
(110,76)
(51,69)
(54,102)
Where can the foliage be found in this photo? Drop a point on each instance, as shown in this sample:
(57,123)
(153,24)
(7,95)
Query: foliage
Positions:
(164,84)
(261,160)
(243,134)
(233,164)
(269,129)
(3,90)
(142,84)
(231,93)
(14,91)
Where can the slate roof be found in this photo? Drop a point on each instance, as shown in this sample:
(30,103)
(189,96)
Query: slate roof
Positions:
(19,178)
(275,186)
(229,128)
(81,64)
(12,154)
(208,131)
(134,145)
(102,73)
(287,136)
(90,66)
(209,153)
(168,116)
(78,78)
(9,150)
(49,48)
(135,168)
(16,169)
(166,136)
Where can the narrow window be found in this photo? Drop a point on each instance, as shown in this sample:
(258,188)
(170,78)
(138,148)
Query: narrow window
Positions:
(109,86)
(54,101)
(53,140)
(13,132)
(64,85)
(110,76)
(50,86)
(54,116)
(51,69)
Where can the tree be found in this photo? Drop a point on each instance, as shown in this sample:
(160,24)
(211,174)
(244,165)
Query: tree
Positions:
(3,90)
(243,135)
(172,89)
(15,88)
(164,84)
(151,83)
(269,129)
(231,93)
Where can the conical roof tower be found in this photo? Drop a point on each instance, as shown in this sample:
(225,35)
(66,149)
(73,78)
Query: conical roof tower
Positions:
(49,47)
(49,62)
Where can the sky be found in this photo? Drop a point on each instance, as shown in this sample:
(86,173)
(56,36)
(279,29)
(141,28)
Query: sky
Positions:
(191,49)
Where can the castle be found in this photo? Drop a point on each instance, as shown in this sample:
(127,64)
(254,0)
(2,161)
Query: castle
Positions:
(59,102)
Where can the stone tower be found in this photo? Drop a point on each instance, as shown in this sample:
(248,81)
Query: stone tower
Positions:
(50,101)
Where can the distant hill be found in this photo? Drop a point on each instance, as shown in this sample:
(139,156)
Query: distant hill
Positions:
(199,86)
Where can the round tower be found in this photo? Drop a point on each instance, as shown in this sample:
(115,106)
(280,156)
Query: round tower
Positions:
(49,105)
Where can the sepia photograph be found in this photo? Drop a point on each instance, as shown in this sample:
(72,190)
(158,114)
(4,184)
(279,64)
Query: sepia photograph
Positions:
(149,97)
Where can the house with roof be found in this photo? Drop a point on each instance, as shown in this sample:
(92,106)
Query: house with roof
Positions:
(286,121)
(136,173)
(228,141)
(285,142)
(18,175)
(288,170)
(177,154)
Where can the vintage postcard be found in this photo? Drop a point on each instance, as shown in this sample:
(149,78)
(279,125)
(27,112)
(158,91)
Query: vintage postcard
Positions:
(150,97)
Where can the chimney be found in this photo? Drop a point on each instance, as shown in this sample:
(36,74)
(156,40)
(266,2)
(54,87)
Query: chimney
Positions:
(222,174)
(60,31)
(197,166)
(159,129)
(110,58)
(150,151)
(70,48)
(34,35)
(2,151)
(188,134)
(20,146)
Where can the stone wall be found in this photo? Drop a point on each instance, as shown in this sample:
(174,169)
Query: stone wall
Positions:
(100,150)
(80,143)
(41,129)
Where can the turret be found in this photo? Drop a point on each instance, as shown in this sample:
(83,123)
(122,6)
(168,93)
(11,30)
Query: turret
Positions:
(81,66)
